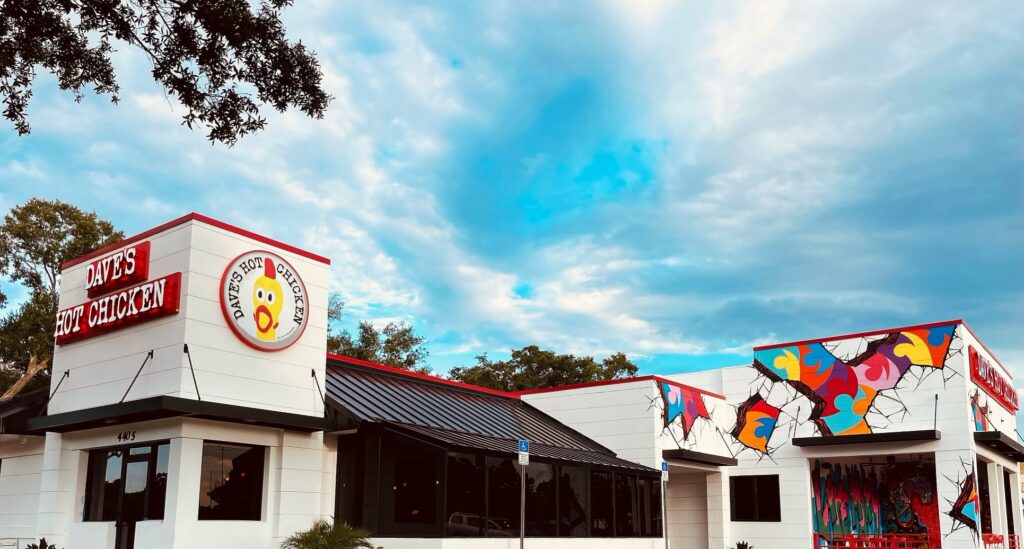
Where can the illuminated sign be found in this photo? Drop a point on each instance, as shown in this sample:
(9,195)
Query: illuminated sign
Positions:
(123,268)
(264,300)
(123,308)
(987,376)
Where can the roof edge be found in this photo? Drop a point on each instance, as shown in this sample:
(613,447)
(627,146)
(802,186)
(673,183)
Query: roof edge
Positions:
(604,382)
(860,334)
(193,216)
(418,376)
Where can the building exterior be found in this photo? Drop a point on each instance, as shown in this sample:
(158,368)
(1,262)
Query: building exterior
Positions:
(193,404)
(894,438)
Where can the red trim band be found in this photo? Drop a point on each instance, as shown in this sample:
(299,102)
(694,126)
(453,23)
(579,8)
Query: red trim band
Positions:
(417,375)
(204,219)
(859,334)
(604,382)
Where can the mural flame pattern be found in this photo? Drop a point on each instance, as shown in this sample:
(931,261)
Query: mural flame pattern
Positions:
(842,392)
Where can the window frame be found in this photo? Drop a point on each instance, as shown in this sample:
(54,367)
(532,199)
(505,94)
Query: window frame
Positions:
(758,508)
(368,447)
(264,462)
(126,458)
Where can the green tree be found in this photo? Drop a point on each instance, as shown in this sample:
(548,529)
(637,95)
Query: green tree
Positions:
(35,239)
(396,344)
(223,60)
(534,368)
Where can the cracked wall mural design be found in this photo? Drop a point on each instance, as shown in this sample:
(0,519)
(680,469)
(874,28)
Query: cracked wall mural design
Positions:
(755,422)
(684,402)
(964,510)
(842,392)
(979,412)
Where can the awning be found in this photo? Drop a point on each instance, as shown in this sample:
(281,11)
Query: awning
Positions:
(455,415)
(1002,444)
(925,435)
(455,440)
(161,407)
(698,458)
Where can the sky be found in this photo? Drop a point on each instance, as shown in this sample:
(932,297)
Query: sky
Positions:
(678,181)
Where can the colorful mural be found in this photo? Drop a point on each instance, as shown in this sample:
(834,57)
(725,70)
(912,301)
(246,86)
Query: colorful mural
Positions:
(890,498)
(682,402)
(755,423)
(965,508)
(979,412)
(843,391)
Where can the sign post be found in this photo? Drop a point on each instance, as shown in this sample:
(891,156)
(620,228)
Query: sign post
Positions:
(524,460)
(664,499)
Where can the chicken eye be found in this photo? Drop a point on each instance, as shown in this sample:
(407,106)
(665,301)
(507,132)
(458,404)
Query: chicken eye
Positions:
(259,294)
(270,297)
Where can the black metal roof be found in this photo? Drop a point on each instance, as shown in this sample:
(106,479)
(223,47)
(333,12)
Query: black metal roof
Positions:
(456,415)
(15,413)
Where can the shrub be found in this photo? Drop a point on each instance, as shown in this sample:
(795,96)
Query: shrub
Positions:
(41,545)
(325,535)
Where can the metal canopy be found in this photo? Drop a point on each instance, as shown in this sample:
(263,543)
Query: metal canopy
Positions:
(925,435)
(161,407)
(1000,443)
(699,458)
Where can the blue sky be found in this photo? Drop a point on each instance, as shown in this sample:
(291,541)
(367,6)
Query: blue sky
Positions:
(678,181)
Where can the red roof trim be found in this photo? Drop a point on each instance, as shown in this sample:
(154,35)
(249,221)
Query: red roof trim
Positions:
(990,353)
(604,382)
(195,217)
(859,334)
(417,375)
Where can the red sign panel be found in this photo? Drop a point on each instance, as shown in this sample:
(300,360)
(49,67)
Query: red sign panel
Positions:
(987,376)
(126,307)
(118,270)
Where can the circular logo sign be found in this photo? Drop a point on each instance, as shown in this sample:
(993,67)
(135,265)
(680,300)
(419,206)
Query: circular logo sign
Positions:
(264,300)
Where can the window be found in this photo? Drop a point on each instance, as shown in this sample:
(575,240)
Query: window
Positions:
(540,500)
(351,452)
(650,506)
(231,482)
(572,502)
(415,489)
(755,498)
(626,508)
(601,505)
(502,498)
(126,483)
(465,497)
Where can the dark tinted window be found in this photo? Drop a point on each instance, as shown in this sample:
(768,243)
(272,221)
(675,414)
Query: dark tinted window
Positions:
(656,512)
(502,497)
(650,506)
(626,509)
(755,498)
(127,483)
(465,497)
(540,500)
(415,488)
(572,502)
(602,520)
(351,450)
(231,482)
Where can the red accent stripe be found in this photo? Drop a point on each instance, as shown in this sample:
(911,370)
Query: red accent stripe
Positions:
(417,375)
(204,219)
(989,351)
(859,334)
(603,382)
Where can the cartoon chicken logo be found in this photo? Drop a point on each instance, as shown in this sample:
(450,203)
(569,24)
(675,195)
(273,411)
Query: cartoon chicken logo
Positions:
(266,302)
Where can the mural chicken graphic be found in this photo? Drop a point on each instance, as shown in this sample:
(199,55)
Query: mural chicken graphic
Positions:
(842,392)
(266,302)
